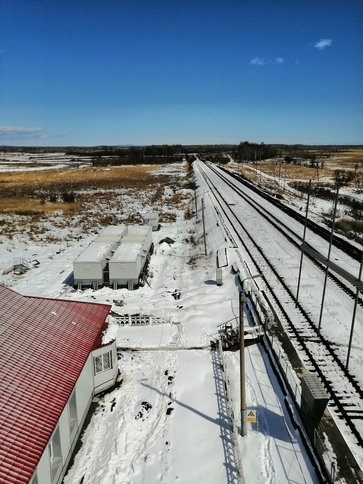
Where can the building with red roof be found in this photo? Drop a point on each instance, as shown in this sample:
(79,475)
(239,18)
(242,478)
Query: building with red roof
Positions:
(52,363)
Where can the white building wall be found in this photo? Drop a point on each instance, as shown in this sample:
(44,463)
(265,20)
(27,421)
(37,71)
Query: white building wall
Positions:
(89,265)
(143,233)
(84,391)
(43,469)
(65,438)
(112,233)
(87,271)
(107,377)
(152,219)
(87,385)
(124,270)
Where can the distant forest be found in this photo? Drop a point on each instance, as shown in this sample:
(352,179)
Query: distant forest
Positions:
(155,154)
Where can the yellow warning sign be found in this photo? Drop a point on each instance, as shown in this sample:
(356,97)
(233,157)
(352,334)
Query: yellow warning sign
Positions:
(252,416)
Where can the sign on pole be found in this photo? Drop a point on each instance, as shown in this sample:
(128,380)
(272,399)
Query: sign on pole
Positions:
(252,416)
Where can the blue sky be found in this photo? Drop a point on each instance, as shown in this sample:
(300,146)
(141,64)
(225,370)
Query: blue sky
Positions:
(86,72)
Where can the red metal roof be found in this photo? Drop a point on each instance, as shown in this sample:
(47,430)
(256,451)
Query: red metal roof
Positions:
(44,345)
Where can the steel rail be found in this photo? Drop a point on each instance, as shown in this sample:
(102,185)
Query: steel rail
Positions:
(345,392)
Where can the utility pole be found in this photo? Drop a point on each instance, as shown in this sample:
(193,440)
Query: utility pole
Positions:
(329,252)
(205,240)
(242,358)
(304,235)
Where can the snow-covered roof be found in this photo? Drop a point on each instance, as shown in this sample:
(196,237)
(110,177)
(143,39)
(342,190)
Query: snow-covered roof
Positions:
(139,230)
(137,238)
(96,252)
(151,215)
(112,233)
(44,346)
(127,252)
(114,230)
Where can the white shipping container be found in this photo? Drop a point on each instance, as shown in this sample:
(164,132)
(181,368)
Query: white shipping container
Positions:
(125,265)
(88,267)
(117,257)
(112,233)
(139,234)
(138,240)
(151,219)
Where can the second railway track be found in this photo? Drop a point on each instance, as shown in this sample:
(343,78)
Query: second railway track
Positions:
(319,355)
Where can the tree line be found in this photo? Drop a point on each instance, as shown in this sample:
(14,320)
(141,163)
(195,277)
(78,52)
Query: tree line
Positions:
(133,155)
(255,152)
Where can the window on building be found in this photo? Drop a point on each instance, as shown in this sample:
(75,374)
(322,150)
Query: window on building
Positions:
(72,406)
(55,451)
(98,364)
(106,361)
(103,362)
(34,480)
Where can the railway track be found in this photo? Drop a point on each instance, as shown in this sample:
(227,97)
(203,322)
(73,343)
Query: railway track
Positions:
(320,356)
(291,236)
(340,243)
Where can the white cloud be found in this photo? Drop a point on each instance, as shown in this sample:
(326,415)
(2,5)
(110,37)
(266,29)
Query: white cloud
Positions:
(21,133)
(18,132)
(257,61)
(321,44)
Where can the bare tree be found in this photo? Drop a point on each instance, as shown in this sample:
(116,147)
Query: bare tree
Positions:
(343,177)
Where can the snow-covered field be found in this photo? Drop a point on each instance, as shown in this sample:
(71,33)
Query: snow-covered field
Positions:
(169,420)
(40,161)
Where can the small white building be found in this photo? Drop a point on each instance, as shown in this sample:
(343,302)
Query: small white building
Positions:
(126,265)
(112,233)
(140,234)
(128,261)
(152,219)
(116,257)
(89,267)
(47,387)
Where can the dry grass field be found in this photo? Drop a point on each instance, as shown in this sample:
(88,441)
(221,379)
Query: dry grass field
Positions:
(275,176)
(276,171)
(101,197)
(278,176)
(348,159)
(32,183)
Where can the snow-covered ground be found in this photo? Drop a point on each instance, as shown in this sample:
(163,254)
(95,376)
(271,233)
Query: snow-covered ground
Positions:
(23,161)
(169,420)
